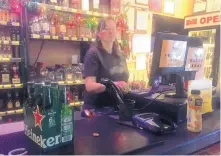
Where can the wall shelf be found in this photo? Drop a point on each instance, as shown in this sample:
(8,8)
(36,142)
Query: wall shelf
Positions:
(11,86)
(4,60)
(10,43)
(11,112)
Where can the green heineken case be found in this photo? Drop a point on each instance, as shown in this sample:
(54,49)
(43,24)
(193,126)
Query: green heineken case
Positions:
(48,119)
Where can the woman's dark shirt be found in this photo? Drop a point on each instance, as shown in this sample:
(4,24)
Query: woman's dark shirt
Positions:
(116,71)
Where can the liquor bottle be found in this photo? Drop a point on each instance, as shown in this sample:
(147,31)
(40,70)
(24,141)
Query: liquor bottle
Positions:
(17,100)
(52,28)
(9,102)
(45,27)
(68,74)
(66,118)
(60,2)
(5,74)
(53,2)
(13,35)
(9,52)
(15,74)
(17,35)
(69,95)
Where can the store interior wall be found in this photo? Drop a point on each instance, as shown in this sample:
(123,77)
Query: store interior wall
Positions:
(53,52)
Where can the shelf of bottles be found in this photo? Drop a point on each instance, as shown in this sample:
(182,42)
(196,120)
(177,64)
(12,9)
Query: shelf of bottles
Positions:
(209,46)
(71,7)
(10,49)
(72,20)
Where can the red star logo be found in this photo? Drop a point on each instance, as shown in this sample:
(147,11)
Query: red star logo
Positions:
(38,118)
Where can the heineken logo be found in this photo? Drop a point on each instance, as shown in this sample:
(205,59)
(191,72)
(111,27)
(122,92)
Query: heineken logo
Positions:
(38,118)
(42,142)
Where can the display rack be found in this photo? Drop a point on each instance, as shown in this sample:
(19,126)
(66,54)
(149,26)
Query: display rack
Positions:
(12,72)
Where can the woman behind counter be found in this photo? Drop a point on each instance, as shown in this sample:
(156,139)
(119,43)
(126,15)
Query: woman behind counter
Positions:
(114,66)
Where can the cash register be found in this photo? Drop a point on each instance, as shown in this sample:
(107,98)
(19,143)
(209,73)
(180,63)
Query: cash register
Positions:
(169,66)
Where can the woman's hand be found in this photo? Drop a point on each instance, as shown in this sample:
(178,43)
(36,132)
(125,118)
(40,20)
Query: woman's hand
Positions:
(124,87)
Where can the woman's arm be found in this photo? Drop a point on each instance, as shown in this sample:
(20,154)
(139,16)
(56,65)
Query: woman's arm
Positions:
(92,86)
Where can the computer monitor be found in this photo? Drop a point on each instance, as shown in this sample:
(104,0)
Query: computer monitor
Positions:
(169,60)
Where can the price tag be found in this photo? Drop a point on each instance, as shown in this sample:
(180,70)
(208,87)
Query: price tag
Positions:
(1,86)
(7,86)
(96,14)
(85,39)
(66,38)
(5,42)
(93,39)
(35,36)
(47,36)
(6,59)
(18,85)
(16,80)
(69,82)
(105,15)
(10,112)
(3,22)
(15,42)
(61,82)
(19,111)
(55,37)
(58,8)
(74,10)
(74,39)
(2,113)
(15,24)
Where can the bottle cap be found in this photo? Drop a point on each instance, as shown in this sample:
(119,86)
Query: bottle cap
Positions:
(197,92)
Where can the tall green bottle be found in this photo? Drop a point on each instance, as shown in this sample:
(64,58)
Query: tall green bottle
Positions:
(66,117)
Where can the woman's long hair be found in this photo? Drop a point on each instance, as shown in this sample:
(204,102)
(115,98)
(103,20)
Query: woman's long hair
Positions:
(102,25)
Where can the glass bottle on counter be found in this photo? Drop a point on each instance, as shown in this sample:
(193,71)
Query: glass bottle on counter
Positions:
(5,74)
(17,100)
(9,102)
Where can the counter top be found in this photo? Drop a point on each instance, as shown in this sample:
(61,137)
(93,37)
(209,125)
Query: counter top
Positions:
(117,139)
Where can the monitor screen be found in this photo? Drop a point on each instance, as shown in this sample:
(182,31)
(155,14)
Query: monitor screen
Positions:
(173,53)
(195,59)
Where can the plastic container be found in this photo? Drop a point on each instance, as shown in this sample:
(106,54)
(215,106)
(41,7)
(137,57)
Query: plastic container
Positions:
(194,114)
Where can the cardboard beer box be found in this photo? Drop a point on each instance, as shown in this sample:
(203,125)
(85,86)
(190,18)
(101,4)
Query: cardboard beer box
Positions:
(48,119)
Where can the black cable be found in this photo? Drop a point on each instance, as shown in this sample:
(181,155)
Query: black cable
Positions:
(39,52)
(149,102)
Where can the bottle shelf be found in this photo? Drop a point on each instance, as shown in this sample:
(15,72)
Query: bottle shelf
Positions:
(71,10)
(11,112)
(76,104)
(65,38)
(11,86)
(10,43)
(65,83)
(14,24)
(5,60)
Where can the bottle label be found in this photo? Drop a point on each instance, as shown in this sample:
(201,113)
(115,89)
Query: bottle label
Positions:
(46,28)
(5,78)
(66,123)
(198,102)
(51,119)
(10,105)
(16,80)
(17,104)
(63,29)
(53,1)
